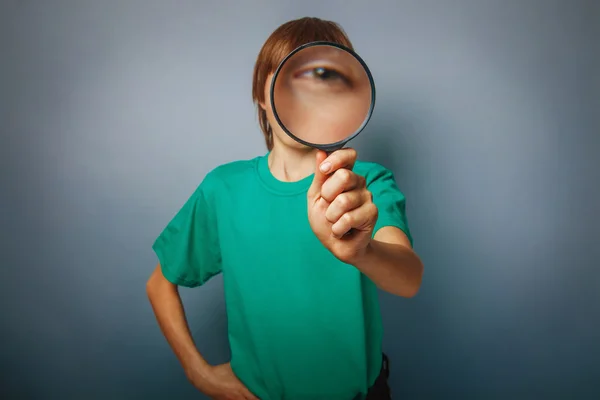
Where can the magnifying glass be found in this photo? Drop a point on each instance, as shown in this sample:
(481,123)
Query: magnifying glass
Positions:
(322,95)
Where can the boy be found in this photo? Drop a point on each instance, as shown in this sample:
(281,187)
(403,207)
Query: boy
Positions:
(301,296)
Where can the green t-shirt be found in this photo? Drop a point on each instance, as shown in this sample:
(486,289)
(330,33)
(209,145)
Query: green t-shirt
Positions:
(302,324)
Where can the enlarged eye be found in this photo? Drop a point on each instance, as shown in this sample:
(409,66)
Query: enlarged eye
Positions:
(327,76)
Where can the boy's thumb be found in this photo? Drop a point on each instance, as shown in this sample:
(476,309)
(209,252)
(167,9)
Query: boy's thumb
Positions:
(319,178)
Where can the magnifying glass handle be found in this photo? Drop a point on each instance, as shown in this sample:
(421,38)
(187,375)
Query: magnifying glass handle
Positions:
(330,148)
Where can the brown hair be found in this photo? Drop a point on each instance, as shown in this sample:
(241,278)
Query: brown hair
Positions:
(281,42)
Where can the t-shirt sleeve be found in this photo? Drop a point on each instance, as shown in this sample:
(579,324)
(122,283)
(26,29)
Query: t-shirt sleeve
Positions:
(188,248)
(389,200)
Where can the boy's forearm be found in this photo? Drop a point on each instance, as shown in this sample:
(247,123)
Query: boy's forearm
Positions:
(392,267)
(170,314)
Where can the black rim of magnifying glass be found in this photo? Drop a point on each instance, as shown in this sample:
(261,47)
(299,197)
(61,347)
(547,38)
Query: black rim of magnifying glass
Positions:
(330,146)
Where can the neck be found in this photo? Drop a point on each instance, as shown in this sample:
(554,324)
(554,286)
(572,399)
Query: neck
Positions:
(289,164)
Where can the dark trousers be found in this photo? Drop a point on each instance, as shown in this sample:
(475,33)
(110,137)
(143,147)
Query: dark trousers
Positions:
(380,389)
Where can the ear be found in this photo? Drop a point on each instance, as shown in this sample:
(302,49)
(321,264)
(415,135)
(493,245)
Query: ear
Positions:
(267,95)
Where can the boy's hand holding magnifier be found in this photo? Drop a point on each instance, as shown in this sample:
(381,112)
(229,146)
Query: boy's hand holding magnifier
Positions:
(322,95)
(340,207)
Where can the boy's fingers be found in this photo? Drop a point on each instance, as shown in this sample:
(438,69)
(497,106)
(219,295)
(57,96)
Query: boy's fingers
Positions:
(320,177)
(358,218)
(343,158)
(340,181)
(345,202)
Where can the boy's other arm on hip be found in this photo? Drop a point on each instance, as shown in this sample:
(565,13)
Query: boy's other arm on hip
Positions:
(219,382)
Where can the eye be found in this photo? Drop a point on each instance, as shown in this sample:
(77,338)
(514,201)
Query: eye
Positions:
(326,75)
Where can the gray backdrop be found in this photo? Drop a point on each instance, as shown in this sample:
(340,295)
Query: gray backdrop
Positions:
(111,113)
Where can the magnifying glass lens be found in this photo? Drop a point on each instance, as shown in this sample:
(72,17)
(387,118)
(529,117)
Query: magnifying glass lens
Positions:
(322,95)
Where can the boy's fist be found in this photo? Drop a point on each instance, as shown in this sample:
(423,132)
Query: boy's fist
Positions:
(341,211)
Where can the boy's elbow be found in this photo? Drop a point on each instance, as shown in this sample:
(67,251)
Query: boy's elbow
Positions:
(412,289)
(418,279)
(412,292)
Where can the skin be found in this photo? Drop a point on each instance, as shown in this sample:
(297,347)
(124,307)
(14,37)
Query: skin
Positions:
(338,202)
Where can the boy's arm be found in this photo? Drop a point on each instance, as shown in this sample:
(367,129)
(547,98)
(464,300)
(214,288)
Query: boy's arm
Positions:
(216,381)
(168,308)
(390,262)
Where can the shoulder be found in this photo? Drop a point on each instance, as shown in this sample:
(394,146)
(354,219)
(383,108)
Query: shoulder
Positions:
(372,171)
(235,169)
(228,173)
(223,178)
